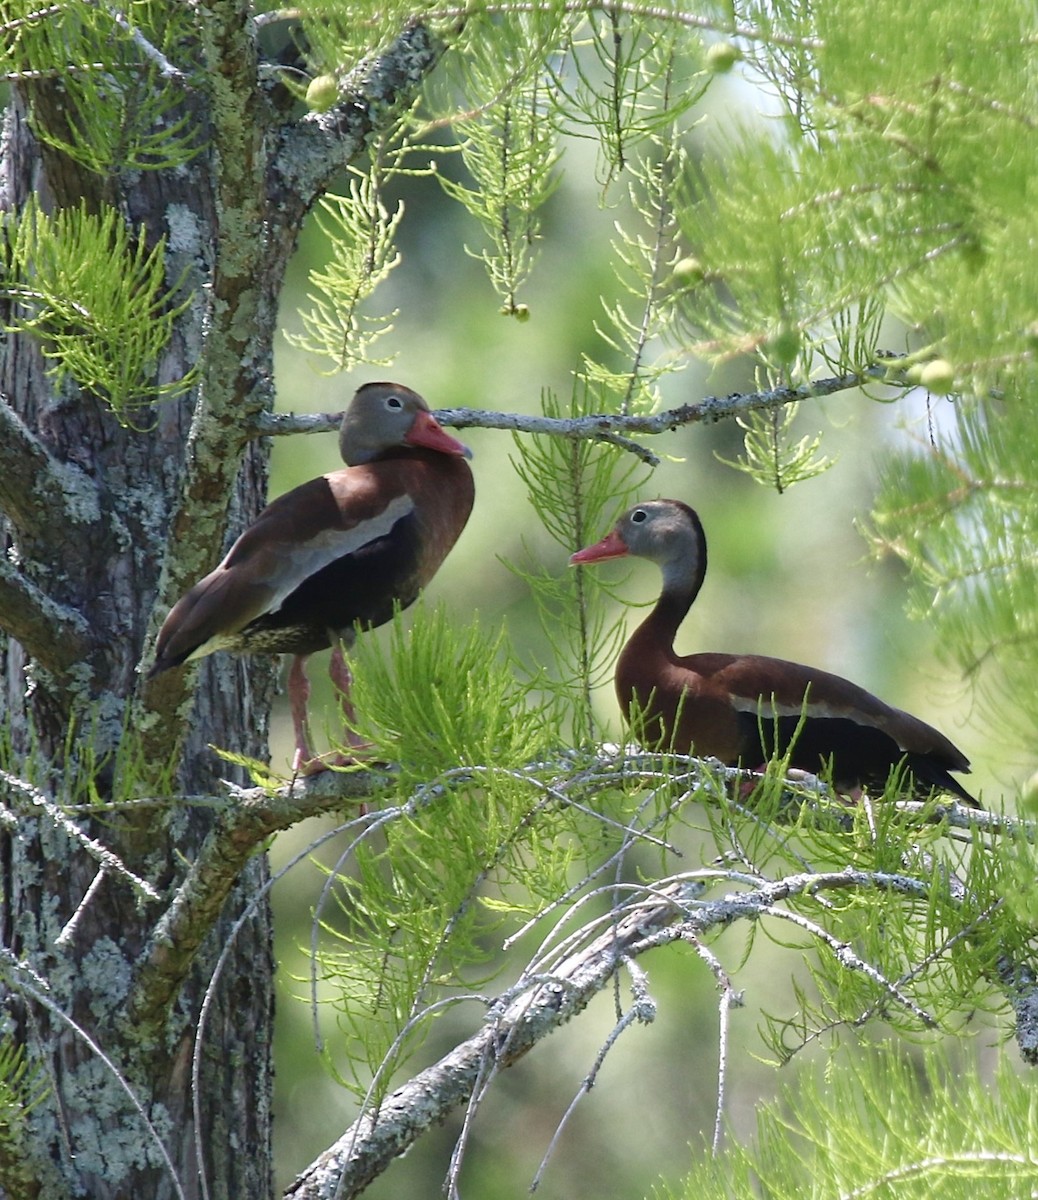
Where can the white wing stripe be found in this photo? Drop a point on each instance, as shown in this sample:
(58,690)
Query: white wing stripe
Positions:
(306,559)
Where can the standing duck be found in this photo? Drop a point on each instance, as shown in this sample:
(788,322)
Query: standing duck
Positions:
(334,555)
(744,708)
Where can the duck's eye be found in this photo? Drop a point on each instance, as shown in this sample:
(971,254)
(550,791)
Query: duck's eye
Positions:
(639,515)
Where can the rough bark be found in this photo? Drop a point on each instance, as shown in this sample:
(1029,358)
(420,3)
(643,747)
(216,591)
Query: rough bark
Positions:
(101,526)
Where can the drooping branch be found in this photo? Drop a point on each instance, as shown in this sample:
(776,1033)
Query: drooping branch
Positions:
(548,996)
(513,1027)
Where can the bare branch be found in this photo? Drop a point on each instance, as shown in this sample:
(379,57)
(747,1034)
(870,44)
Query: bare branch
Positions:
(364,1151)
(730,998)
(650,12)
(150,52)
(105,858)
(845,955)
(543,1002)
(643,1010)
(705,411)
(612,427)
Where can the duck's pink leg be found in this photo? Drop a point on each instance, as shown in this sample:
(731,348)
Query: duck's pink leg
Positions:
(342,678)
(299,699)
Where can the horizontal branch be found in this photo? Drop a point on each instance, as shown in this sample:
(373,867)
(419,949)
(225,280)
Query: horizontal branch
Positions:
(612,427)
(248,818)
(56,637)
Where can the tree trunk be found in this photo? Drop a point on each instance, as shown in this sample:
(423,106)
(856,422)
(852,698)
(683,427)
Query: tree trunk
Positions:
(136,968)
(73,739)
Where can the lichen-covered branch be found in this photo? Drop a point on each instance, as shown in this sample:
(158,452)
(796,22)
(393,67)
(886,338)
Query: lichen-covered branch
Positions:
(233,386)
(311,151)
(250,816)
(706,411)
(513,1027)
(548,996)
(37,492)
(25,794)
(53,635)
(239,315)
(265,187)
(603,426)
(1020,983)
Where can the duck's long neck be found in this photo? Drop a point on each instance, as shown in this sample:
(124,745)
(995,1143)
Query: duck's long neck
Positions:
(680,588)
(682,578)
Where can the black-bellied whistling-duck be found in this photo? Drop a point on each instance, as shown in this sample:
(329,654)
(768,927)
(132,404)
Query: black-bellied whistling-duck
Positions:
(744,708)
(335,554)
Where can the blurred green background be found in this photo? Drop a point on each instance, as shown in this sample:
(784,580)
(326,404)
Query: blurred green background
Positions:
(789,575)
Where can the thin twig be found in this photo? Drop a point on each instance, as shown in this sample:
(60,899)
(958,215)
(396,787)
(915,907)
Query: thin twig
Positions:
(846,956)
(152,53)
(65,937)
(730,998)
(107,859)
(644,1011)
